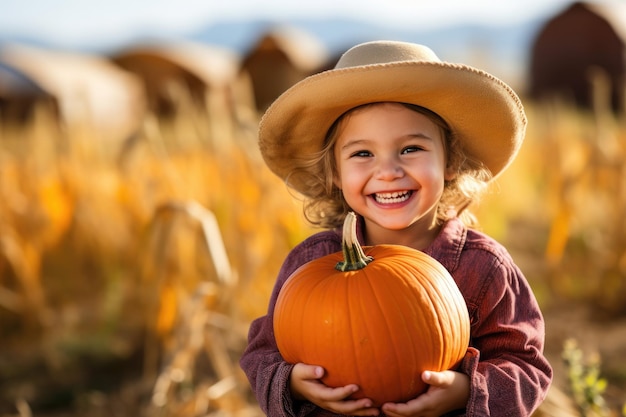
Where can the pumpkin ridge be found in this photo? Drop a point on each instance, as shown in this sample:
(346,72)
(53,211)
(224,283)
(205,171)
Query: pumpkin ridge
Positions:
(438,304)
(393,337)
(377,287)
(316,315)
(453,293)
(426,315)
(352,297)
(443,304)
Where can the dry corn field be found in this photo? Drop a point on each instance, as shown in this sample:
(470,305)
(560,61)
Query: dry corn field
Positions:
(129,272)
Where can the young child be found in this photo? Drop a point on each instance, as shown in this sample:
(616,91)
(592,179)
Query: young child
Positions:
(407,142)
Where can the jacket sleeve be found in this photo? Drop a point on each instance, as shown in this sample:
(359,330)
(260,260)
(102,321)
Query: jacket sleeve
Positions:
(261,361)
(508,371)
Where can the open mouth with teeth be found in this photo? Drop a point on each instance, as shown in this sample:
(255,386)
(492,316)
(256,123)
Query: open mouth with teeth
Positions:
(392,198)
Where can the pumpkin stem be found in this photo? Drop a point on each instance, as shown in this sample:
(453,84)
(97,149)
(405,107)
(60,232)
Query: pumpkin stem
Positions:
(353,256)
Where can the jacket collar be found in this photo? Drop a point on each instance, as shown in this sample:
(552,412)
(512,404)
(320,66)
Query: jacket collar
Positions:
(447,246)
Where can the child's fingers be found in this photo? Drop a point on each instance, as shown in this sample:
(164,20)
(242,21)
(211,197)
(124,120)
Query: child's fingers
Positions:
(342,393)
(304,371)
(436,378)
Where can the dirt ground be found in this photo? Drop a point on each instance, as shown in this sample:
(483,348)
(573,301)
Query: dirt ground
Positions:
(594,334)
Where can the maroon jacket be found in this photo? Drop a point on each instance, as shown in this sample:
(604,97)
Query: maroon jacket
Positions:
(509,374)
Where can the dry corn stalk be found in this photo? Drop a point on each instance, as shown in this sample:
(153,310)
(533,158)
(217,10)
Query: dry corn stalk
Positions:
(586,194)
(187,313)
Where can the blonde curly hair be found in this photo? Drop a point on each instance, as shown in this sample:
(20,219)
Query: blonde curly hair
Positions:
(326,207)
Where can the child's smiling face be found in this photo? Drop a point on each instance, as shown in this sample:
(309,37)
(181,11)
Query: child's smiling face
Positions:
(391,166)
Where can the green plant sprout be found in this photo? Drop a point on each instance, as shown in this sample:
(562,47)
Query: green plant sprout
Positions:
(584,379)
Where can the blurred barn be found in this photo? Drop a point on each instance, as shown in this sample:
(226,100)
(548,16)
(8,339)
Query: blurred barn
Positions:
(178,74)
(574,47)
(87,90)
(279,59)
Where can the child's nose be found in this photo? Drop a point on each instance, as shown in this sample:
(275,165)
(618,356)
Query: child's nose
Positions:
(389,169)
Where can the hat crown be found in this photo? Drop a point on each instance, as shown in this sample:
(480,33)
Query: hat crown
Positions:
(384,52)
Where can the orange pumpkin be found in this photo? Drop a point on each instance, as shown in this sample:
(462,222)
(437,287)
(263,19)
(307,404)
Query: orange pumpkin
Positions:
(376,317)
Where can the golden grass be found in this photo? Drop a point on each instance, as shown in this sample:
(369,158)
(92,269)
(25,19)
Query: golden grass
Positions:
(168,243)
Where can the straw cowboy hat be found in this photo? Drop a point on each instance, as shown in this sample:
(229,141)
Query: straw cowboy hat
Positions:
(484,112)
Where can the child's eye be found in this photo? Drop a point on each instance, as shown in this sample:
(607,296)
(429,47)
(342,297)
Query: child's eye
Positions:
(410,149)
(361,154)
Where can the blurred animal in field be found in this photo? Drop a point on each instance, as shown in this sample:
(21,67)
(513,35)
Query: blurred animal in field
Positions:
(88,91)
(576,46)
(280,58)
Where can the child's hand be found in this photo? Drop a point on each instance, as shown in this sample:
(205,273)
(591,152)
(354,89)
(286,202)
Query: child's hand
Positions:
(448,391)
(305,384)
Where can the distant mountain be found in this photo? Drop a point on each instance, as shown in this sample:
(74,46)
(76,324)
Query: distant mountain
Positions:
(8,38)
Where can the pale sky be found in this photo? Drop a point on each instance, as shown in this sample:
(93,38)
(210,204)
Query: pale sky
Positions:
(78,21)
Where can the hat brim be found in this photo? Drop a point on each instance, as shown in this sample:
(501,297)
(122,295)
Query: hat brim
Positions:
(484,112)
